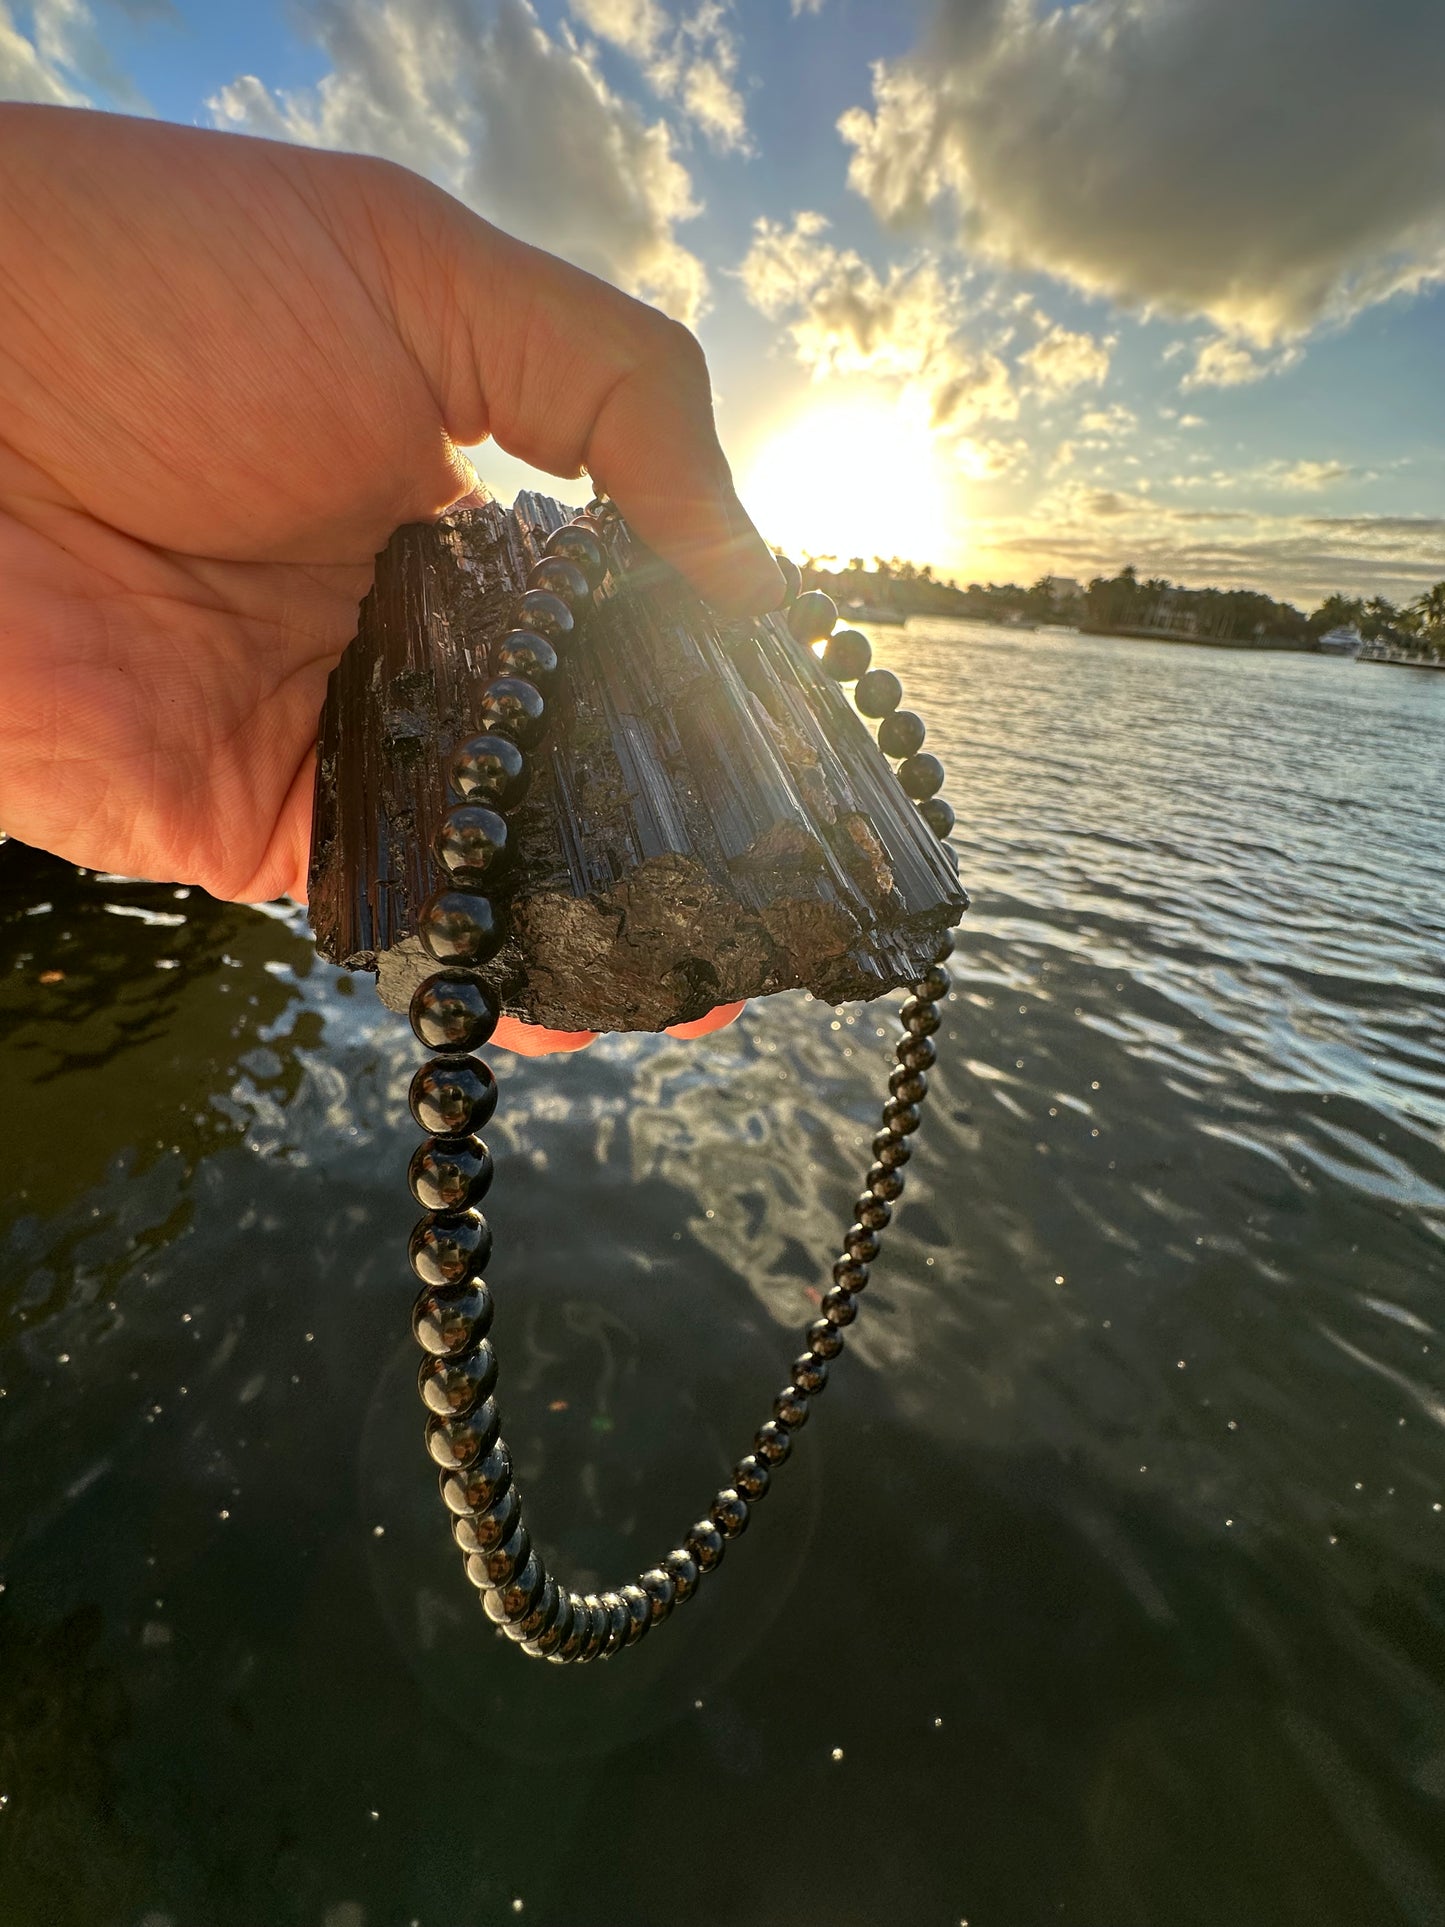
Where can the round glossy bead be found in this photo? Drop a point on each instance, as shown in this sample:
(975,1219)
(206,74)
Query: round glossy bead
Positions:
(452,1386)
(458,1442)
(490,770)
(480,1531)
(885,1182)
(549,1642)
(639,1613)
(450,1173)
(575,1638)
(772,1443)
(847,655)
(512,706)
(824,1340)
(544,614)
(660,1589)
(921,776)
(480,1485)
(619,1623)
(790,1407)
(862,1243)
(446,1319)
(472,844)
(840,1307)
(850,1273)
(504,1561)
(878,693)
(577,544)
(729,1512)
(810,1373)
(751,1477)
(946,946)
(792,581)
(561,578)
(453,1097)
(919,1015)
(506,1603)
(706,1544)
(934,984)
(444,1250)
(937,813)
(460,927)
(871,1211)
(811,615)
(916,1053)
(682,1569)
(901,1118)
(910,1086)
(523,653)
(891,1150)
(539,1615)
(454,1011)
(901,734)
(597,1629)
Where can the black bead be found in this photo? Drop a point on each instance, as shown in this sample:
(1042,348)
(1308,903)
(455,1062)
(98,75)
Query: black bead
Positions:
(751,1477)
(871,1210)
(446,1319)
(824,1339)
(555,575)
(472,845)
(947,944)
(512,706)
(639,1612)
(920,1016)
(458,1442)
(878,693)
(539,1615)
(847,655)
(934,984)
(937,813)
(453,1097)
(911,1086)
(480,1531)
(850,1273)
(575,1638)
(545,614)
(916,1053)
(480,1484)
(450,1173)
(772,1443)
(452,1386)
(729,1512)
(902,1119)
(885,1182)
(811,615)
(501,1563)
(522,652)
(556,1635)
(661,1590)
(840,1307)
(810,1373)
(681,1568)
(619,1623)
(490,770)
(460,927)
(792,581)
(790,1407)
(921,776)
(446,1247)
(862,1243)
(577,544)
(454,1011)
(706,1544)
(891,1150)
(509,1602)
(901,734)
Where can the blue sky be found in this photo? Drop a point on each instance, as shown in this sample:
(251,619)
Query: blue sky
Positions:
(1036,287)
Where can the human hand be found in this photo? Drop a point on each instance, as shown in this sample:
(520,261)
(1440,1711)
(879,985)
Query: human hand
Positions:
(228,370)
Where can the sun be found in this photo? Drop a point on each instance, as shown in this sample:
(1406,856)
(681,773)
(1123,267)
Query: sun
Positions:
(856,477)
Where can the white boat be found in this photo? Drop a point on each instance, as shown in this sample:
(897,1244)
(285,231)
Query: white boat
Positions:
(1346,640)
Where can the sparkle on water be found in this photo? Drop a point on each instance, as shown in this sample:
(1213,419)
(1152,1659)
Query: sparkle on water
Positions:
(1104,1640)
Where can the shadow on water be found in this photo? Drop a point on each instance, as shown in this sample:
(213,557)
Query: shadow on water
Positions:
(1104,1588)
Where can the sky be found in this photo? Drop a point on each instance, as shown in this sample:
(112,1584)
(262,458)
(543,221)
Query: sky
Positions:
(1008,287)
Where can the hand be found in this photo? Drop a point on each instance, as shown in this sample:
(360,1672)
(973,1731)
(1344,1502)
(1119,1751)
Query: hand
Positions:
(228,370)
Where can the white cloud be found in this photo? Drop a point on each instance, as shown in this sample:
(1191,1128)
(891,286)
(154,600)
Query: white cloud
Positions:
(63,58)
(693,61)
(806,6)
(1223,361)
(1308,476)
(636,26)
(992,459)
(1191,421)
(517,124)
(1111,423)
(1061,360)
(844,319)
(1268,164)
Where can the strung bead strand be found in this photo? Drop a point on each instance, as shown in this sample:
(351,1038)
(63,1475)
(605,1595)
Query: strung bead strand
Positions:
(454,1012)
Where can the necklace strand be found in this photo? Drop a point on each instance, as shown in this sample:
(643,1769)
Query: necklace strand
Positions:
(453,1095)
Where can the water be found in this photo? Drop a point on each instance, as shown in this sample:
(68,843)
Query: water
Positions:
(1105,1586)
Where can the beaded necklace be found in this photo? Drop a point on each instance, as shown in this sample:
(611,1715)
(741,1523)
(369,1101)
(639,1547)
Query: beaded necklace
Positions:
(455,1011)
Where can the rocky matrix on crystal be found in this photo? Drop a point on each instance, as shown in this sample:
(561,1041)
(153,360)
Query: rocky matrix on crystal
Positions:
(708,821)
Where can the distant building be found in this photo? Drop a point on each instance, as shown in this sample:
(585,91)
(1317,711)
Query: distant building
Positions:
(1063,589)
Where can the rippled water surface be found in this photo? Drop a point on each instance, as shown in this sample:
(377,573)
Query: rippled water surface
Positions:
(1105,1586)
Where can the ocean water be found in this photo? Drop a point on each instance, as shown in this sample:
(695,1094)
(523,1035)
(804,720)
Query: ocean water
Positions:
(1106,1585)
